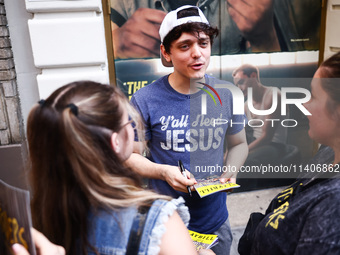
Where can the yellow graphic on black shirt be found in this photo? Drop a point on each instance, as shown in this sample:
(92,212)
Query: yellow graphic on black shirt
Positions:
(277,215)
(285,194)
(278,212)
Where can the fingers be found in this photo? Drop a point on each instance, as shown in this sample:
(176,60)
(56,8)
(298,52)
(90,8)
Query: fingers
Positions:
(180,183)
(228,179)
(176,180)
(190,176)
(152,15)
(241,7)
(251,15)
(129,44)
(44,246)
(139,37)
(233,180)
(225,180)
(146,21)
(189,181)
(242,14)
(18,249)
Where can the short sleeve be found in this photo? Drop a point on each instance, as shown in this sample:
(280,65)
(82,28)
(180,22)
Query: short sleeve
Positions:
(164,215)
(145,116)
(239,122)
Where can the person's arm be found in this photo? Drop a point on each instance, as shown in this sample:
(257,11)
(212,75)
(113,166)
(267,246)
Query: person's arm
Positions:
(255,19)
(237,154)
(138,37)
(269,127)
(149,169)
(176,239)
(42,244)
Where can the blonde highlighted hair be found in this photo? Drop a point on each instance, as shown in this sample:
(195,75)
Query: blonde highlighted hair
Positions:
(73,166)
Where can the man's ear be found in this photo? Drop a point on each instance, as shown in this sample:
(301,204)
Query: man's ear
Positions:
(116,146)
(165,54)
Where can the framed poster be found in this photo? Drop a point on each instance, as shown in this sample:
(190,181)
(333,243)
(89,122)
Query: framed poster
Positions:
(281,38)
(282,26)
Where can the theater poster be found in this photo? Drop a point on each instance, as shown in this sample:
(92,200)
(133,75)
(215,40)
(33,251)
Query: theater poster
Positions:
(283,43)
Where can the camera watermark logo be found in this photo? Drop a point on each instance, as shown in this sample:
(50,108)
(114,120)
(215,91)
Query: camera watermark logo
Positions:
(238,103)
(204,97)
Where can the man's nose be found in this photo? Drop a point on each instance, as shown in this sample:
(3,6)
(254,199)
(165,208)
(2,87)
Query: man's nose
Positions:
(196,51)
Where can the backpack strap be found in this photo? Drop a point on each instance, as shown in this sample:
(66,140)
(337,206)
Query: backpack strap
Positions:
(137,230)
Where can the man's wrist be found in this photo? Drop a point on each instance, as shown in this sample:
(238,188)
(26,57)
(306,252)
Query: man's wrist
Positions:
(162,172)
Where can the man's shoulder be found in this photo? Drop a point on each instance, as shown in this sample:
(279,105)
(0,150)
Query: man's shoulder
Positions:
(223,88)
(214,81)
(151,89)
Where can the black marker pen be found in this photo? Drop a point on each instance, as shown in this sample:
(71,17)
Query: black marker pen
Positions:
(182,170)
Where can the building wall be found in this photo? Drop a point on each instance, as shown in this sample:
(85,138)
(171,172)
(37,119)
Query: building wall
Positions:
(44,45)
(68,42)
(18,88)
(11,131)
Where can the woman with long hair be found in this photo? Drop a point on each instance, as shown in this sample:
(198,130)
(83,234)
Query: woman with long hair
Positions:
(84,197)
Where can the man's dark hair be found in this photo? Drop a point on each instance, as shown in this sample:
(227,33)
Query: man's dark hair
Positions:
(193,28)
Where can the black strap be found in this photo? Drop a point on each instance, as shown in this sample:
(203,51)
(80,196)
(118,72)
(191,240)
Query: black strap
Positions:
(117,18)
(246,241)
(137,230)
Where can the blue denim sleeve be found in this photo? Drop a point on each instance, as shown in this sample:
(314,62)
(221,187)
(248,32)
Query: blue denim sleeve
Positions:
(159,229)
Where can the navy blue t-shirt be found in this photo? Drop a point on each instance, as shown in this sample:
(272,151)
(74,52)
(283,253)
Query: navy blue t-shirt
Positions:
(176,130)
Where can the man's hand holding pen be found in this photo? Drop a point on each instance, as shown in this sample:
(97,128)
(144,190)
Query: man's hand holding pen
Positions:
(175,179)
(185,174)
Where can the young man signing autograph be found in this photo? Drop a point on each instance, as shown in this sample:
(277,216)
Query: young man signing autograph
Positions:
(178,129)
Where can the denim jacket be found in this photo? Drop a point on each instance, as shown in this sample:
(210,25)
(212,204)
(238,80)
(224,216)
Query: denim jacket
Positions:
(109,230)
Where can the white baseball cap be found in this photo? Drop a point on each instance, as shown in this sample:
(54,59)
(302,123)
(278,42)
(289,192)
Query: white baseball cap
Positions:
(171,21)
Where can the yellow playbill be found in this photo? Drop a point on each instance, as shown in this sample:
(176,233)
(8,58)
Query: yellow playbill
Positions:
(203,241)
(212,184)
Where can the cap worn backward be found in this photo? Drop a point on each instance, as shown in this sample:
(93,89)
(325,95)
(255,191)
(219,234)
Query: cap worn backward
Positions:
(171,21)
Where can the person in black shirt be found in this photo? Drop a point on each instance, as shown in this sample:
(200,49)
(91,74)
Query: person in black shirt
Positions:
(304,218)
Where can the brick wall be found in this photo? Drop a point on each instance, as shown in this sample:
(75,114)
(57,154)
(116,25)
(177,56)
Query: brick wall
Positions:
(11,126)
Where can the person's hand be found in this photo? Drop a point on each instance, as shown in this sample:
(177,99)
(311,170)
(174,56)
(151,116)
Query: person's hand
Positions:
(255,20)
(176,180)
(139,37)
(42,245)
(231,179)
(226,179)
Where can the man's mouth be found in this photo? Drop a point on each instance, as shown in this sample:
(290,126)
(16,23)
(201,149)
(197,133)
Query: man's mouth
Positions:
(197,66)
